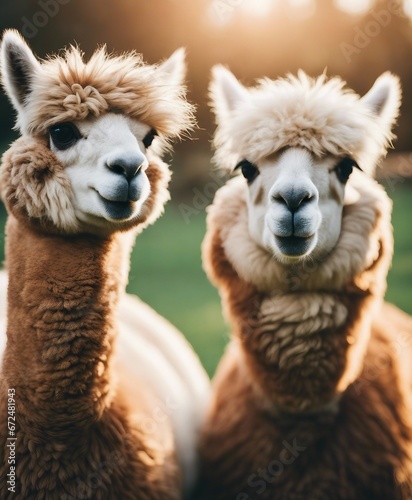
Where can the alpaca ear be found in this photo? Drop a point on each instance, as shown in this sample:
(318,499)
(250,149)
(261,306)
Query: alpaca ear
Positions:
(18,66)
(174,68)
(384,99)
(226,92)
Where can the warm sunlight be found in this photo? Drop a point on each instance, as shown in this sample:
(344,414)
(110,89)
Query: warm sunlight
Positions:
(303,8)
(257,7)
(223,11)
(355,7)
(407,7)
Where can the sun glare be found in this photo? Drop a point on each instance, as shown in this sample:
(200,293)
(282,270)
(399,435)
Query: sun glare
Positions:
(257,8)
(303,8)
(407,8)
(223,11)
(354,7)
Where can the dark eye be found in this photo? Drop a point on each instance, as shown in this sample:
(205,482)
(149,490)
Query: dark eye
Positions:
(249,171)
(64,135)
(344,168)
(147,141)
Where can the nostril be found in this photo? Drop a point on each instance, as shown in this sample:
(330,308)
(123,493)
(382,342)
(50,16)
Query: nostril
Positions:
(280,199)
(117,169)
(127,167)
(293,199)
(306,198)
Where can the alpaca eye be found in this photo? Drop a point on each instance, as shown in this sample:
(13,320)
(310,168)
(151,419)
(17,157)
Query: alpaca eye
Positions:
(344,168)
(147,141)
(249,171)
(64,135)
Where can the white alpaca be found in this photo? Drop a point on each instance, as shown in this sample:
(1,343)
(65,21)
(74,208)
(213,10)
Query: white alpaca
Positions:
(299,248)
(307,126)
(87,169)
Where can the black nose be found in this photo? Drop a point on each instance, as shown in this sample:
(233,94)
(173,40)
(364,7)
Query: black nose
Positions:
(128,166)
(293,198)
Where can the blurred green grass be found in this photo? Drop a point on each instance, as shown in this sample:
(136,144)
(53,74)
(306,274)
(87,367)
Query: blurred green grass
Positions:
(400,276)
(166,272)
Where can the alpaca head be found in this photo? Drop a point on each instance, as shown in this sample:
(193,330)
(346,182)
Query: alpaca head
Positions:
(92,135)
(297,141)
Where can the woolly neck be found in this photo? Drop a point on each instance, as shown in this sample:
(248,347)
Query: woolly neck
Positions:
(63,288)
(302,331)
(71,415)
(62,300)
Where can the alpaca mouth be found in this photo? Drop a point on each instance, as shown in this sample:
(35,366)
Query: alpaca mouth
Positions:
(117,210)
(294,246)
(120,192)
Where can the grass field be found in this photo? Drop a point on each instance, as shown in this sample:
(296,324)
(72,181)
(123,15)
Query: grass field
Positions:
(166,272)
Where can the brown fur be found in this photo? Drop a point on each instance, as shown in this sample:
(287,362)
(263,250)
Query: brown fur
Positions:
(312,399)
(34,185)
(259,196)
(75,435)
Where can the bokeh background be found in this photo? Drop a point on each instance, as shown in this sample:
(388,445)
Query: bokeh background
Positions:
(356,39)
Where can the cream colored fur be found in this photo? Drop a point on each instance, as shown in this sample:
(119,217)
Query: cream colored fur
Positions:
(296,132)
(317,114)
(160,357)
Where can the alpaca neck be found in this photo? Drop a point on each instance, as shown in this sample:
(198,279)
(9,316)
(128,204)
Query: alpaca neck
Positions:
(62,299)
(303,350)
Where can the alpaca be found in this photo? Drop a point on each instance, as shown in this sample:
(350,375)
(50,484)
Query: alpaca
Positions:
(108,396)
(312,399)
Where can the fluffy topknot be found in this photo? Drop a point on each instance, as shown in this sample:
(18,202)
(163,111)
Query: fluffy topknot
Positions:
(298,111)
(64,88)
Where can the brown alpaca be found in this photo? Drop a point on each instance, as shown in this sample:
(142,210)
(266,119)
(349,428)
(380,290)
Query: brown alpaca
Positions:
(312,399)
(94,418)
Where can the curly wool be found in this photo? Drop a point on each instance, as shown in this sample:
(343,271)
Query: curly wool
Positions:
(34,184)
